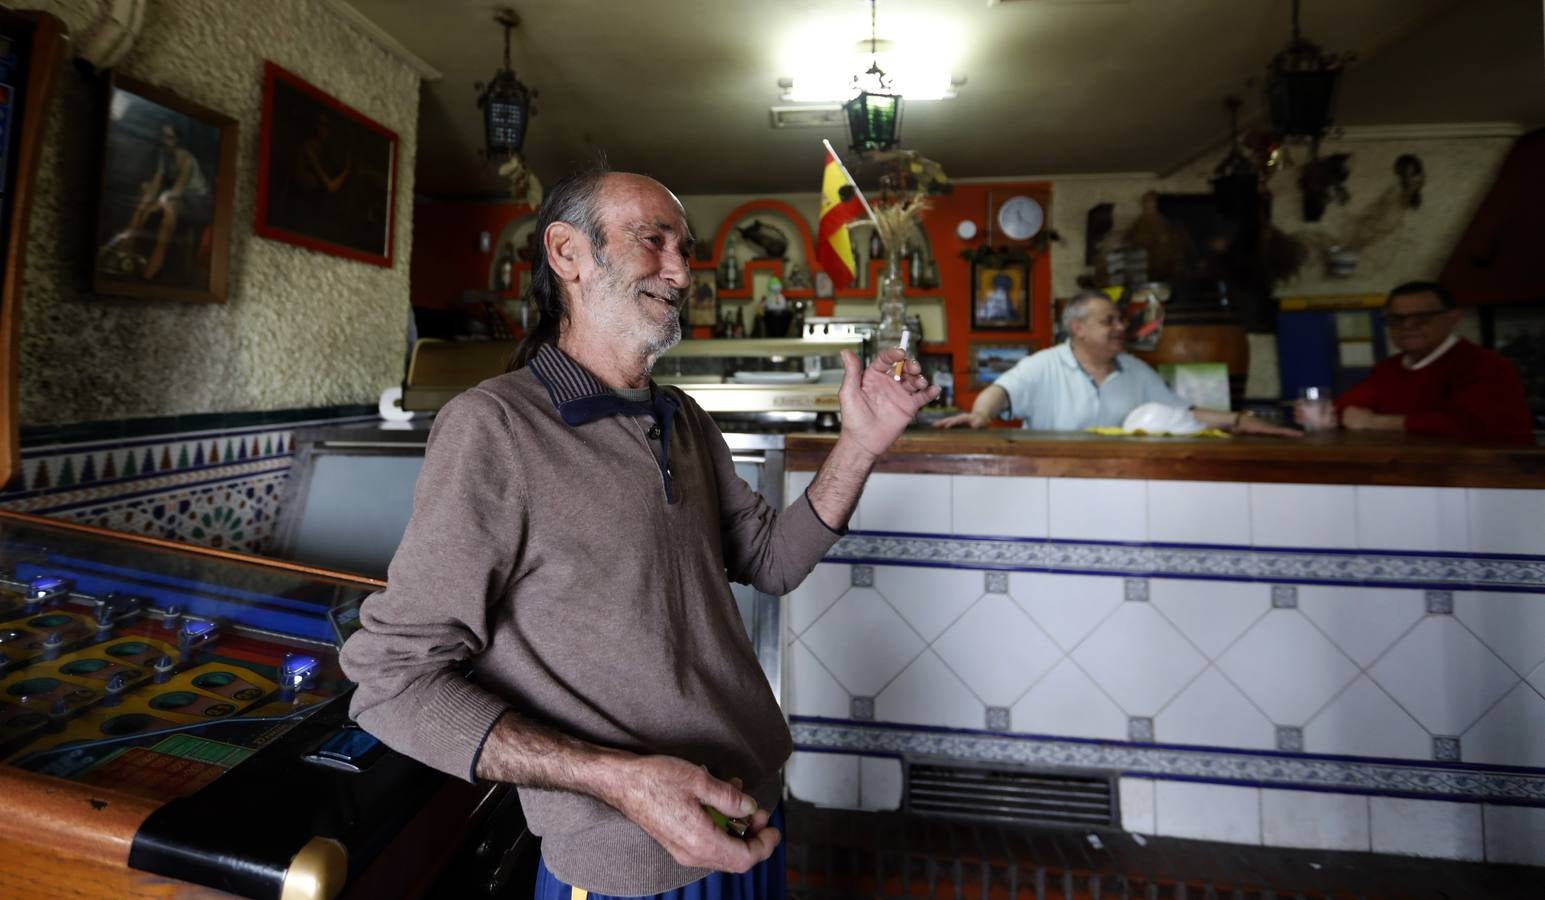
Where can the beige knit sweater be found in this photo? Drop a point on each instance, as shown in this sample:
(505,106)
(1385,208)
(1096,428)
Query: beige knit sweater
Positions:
(555,564)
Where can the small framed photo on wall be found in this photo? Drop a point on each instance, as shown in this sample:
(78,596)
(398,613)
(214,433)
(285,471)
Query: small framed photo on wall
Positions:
(163,227)
(989,359)
(1000,296)
(703,299)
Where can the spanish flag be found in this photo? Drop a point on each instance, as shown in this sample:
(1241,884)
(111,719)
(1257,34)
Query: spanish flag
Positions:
(839,206)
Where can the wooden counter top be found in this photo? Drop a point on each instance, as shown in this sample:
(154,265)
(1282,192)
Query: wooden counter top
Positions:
(1330,458)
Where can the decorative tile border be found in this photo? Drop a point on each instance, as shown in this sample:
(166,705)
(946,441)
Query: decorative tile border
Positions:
(1455,782)
(1371,569)
(217,488)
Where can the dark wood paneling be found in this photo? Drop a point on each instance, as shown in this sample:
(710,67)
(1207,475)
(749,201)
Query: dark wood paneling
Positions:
(1315,459)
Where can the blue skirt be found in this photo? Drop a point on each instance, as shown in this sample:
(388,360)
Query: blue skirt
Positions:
(765,881)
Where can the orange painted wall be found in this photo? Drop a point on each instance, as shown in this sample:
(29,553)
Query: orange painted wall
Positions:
(969,201)
(446,256)
(447,260)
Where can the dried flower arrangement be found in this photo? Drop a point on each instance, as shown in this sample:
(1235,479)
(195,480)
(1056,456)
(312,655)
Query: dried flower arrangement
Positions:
(906,186)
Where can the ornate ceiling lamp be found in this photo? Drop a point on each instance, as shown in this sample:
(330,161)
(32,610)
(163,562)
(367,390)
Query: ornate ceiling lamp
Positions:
(1301,86)
(874,116)
(505,102)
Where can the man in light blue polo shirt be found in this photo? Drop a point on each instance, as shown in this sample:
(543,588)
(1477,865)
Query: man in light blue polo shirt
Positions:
(1087,381)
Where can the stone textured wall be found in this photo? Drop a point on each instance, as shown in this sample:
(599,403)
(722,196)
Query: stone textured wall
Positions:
(1459,173)
(299,328)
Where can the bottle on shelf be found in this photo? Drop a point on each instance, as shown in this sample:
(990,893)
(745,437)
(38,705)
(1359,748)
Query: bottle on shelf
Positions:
(729,267)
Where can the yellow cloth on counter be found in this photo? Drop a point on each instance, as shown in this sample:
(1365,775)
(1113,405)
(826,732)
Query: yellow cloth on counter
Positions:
(1116,430)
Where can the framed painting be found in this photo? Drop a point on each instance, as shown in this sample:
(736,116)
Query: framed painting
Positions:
(327,174)
(1000,296)
(989,359)
(163,223)
(703,299)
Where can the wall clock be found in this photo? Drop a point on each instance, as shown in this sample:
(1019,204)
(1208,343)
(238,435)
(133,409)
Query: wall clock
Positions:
(1019,218)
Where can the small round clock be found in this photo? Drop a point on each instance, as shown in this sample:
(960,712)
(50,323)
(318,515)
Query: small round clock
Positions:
(966,230)
(1020,218)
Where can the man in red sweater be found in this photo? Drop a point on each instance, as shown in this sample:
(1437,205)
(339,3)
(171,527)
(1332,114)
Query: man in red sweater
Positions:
(1439,383)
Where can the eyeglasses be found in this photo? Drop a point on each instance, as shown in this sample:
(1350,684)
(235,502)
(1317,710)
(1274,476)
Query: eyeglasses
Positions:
(1415,320)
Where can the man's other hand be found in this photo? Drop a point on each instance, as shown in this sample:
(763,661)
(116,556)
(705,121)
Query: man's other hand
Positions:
(962,420)
(666,797)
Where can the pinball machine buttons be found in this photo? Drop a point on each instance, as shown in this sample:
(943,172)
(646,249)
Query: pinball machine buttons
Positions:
(115,688)
(349,749)
(47,589)
(171,616)
(115,608)
(296,673)
(52,645)
(164,665)
(195,634)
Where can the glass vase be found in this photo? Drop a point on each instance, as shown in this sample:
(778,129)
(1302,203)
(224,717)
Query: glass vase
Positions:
(892,302)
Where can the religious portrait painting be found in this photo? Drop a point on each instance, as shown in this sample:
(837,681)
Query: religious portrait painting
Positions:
(1000,296)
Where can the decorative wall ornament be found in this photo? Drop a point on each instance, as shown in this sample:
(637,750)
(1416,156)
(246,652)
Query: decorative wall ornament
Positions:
(111,33)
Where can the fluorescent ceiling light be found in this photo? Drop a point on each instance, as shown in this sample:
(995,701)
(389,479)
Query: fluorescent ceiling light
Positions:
(917,58)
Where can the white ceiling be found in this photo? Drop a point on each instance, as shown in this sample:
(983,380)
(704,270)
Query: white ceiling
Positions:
(681,89)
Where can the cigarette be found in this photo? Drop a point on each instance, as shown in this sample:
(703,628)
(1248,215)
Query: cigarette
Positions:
(900,364)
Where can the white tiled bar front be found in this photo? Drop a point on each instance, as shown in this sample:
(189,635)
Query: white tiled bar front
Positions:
(1327,666)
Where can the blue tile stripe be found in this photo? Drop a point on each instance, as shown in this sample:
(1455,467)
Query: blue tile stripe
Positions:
(1445,571)
(1516,786)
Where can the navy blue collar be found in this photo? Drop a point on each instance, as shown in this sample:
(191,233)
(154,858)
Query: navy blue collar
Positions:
(579,398)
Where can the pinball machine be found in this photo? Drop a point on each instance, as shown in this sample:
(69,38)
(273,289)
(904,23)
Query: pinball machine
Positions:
(172,715)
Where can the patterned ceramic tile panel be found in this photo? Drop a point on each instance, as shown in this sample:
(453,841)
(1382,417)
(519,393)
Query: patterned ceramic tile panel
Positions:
(1163,761)
(1288,657)
(218,489)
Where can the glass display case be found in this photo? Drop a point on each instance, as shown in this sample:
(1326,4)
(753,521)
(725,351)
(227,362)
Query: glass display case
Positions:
(770,383)
(181,712)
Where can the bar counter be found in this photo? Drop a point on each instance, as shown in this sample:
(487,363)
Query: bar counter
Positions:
(1325,458)
(1334,641)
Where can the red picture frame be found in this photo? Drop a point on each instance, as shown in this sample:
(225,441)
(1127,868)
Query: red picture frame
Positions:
(327,173)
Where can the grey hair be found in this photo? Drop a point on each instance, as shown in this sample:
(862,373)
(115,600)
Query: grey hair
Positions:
(1077,308)
(575,199)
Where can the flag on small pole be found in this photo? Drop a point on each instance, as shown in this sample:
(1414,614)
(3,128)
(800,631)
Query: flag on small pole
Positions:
(841,203)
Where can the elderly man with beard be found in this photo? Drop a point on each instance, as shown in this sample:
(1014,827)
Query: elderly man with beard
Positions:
(1088,381)
(558,614)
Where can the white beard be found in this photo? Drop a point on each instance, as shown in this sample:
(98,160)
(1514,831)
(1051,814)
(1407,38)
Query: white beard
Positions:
(623,314)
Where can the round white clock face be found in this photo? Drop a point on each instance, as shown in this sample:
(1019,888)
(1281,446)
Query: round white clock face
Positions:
(1020,218)
(966,230)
